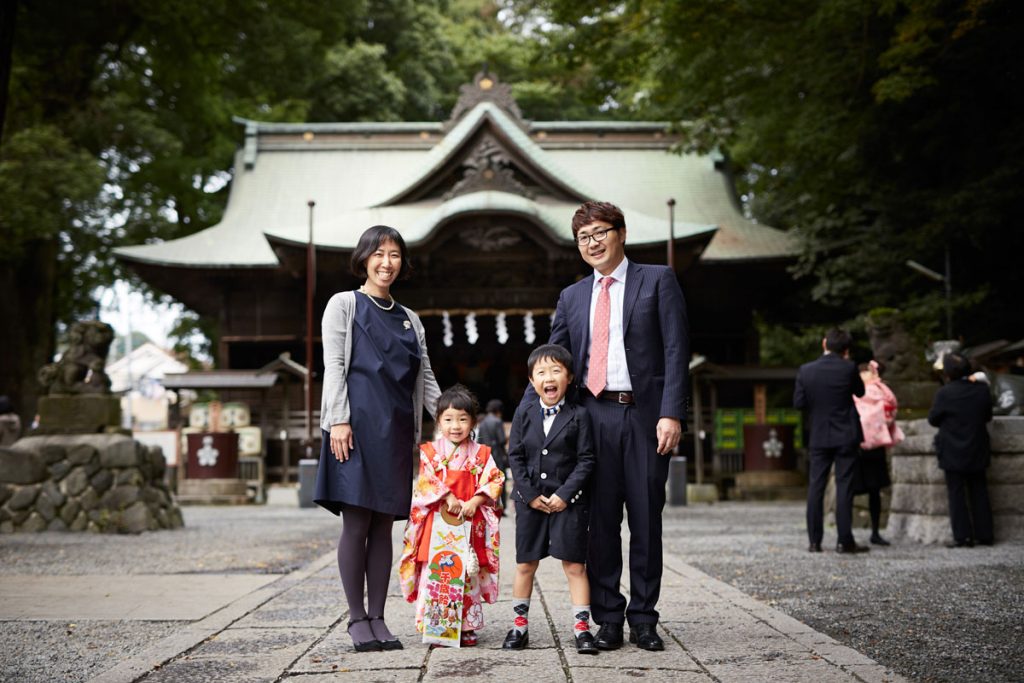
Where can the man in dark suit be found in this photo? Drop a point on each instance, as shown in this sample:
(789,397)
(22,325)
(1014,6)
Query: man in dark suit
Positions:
(961,411)
(491,432)
(825,388)
(626,328)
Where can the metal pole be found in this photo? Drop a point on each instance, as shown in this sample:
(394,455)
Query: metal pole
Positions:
(310,287)
(948,280)
(671,233)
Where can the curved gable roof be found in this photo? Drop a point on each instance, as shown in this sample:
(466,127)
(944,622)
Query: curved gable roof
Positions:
(455,145)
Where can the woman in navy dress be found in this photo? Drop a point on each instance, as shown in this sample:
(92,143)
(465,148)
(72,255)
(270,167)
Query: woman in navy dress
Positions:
(377,382)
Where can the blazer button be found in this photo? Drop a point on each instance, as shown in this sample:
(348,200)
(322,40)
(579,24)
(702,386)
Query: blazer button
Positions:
(544,452)
(543,475)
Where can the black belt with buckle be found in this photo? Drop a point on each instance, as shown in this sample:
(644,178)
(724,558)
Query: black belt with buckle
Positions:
(623,397)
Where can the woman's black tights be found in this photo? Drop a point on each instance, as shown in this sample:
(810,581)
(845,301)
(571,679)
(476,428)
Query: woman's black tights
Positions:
(364,560)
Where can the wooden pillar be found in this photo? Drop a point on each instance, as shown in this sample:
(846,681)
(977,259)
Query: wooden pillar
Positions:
(761,403)
(698,427)
(286,443)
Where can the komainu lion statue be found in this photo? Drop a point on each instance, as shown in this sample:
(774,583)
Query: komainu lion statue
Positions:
(81,369)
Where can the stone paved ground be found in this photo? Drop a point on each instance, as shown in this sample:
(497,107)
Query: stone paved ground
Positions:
(293,627)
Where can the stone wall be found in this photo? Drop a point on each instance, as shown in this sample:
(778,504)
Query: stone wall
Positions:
(84,482)
(919,508)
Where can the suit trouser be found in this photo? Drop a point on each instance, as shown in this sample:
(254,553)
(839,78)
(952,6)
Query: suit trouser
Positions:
(821,463)
(962,486)
(628,471)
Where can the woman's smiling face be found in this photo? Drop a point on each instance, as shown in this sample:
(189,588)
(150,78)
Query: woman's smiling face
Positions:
(384,265)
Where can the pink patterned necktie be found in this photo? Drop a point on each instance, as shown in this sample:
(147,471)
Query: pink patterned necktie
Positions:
(597,372)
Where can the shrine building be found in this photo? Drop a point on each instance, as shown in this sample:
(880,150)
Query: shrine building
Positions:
(484,201)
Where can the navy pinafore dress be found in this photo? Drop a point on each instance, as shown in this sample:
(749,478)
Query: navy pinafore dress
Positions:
(385,361)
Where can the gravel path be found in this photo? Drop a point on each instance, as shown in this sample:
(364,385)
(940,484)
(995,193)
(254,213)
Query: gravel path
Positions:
(931,613)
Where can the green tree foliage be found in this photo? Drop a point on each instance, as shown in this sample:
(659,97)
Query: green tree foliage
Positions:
(879,130)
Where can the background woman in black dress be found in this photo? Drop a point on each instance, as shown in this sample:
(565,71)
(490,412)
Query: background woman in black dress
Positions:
(377,381)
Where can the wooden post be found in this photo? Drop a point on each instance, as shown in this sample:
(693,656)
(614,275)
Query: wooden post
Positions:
(698,427)
(761,403)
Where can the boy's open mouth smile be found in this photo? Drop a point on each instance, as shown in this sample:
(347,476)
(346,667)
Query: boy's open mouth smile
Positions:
(551,390)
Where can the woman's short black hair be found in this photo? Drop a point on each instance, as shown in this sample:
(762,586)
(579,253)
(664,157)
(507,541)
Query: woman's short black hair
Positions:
(370,242)
(458,397)
(557,353)
(955,366)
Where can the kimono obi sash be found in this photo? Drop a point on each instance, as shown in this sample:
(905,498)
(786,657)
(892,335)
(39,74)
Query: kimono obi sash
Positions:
(463,485)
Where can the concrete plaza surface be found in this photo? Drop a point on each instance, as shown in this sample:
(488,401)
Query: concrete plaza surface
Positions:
(255,597)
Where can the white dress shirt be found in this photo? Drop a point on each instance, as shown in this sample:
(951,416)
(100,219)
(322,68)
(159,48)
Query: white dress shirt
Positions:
(618,372)
(550,419)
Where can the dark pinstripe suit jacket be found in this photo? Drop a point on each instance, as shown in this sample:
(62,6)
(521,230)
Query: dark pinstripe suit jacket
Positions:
(656,333)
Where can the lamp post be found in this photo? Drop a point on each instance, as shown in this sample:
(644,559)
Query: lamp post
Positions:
(946,280)
(310,288)
(671,233)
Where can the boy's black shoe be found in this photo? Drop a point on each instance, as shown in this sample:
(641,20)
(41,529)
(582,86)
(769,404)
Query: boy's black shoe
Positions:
(516,640)
(585,644)
(646,637)
(609,637)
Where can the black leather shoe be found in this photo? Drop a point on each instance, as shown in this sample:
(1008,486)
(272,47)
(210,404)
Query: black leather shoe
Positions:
(851,548)
(878,540)
(987,542)
(585,644)
(393,644)
(370,645)
(646,637)
(516,640)
(609,637)
(961,544)
(814,548)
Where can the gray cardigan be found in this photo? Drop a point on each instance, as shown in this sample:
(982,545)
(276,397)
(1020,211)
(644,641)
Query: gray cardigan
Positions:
(337,341)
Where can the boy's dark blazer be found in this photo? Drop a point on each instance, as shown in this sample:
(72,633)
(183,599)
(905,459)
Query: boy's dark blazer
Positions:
(961,410)
(559,463)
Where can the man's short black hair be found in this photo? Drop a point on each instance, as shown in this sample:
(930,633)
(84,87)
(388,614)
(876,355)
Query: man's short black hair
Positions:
(838,340)
(458,397)
(370,242)
(554,352)
(955,366)
(495,406)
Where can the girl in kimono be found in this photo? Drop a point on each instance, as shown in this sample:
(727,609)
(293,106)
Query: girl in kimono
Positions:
(459,474)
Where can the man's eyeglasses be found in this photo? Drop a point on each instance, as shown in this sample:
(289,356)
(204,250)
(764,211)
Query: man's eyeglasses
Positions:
(597,236)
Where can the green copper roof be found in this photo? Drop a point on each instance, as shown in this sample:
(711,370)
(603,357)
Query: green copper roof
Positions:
(361,174)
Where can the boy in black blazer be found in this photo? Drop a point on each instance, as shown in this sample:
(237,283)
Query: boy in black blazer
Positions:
(551,454)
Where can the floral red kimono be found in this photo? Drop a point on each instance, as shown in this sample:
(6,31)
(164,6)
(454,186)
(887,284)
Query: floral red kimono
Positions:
(464,470)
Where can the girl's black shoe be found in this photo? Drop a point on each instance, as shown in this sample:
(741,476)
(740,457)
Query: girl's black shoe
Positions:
(370,645)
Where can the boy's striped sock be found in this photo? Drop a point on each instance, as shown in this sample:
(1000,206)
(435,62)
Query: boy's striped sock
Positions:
(521,606)
(580,618)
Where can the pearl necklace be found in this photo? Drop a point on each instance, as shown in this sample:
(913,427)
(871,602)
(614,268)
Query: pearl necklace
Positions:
(383,308)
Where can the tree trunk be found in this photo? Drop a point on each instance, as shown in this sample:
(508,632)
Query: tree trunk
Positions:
(27,290)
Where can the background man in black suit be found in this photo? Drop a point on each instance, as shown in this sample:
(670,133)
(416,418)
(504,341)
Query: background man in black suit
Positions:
(626,328)
(961,410)
(491,432)
(825,388)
